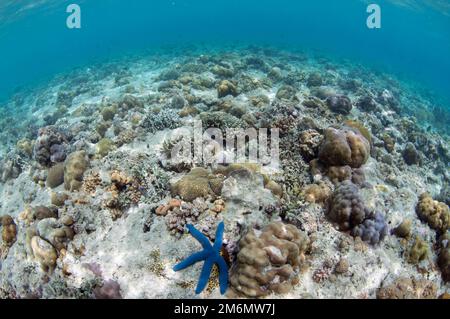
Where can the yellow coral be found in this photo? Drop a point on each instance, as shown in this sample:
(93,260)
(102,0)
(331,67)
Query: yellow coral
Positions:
(198,183)
(435,213)
(74,168)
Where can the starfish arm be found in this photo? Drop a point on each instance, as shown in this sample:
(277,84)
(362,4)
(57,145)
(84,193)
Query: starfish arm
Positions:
(219,237)
(202,239)
(195,258)
(223,274)
(204,276)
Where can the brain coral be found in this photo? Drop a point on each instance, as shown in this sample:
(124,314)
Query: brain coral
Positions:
(269,260)
(198,183)
(435,213)
(74,169)
(344,146)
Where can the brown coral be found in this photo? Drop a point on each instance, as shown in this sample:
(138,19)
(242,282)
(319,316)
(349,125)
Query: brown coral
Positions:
(434,213)
(269,261)
(226,88)
(44,253)
(74,168)
(198,183)
(344,146)
(408,288)
(317,193)
(9,230)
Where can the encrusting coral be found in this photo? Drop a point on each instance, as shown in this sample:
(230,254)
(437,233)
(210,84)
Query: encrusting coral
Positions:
(434,213)
(344,146)
(269,261)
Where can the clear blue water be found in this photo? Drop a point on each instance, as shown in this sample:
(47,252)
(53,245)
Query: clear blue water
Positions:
(413,43)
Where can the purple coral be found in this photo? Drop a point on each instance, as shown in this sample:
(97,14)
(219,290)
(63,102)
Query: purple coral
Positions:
(50,147)
(372,230)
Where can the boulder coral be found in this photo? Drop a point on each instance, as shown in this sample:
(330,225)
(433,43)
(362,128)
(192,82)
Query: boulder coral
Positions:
(74,168)
(55,175)
(198,183)
(269,261)
(434,213)
(44,253)
(9,230)
(344,146)
(339,104)
(226,88)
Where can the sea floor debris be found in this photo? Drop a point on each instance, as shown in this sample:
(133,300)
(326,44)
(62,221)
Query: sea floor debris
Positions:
(92,204)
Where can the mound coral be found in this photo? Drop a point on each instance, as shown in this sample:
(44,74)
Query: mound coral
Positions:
(339,104)
(104,146)
(344,146)
(347,209)
(419,251)
(372,230)
(9,230)
(198,183)
(44,253)
(411,155)
(434,213)
(50,146)
(74,168)
(269,261)
(408,288)
(55,176)
(286,92)
(226,88)
(317,193)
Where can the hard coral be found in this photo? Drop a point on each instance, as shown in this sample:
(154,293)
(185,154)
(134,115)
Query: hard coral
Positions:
(50,146)
(408,288)
(226,88)
(347,208)
(74,168)
(9,230)
(269,261)
(344,147)
(198,183)
(44,253)
(340,104)
(434,213)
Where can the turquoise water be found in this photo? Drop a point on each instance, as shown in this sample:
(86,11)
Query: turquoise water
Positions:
(413,42)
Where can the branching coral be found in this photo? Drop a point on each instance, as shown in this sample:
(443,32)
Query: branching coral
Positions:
(269,261)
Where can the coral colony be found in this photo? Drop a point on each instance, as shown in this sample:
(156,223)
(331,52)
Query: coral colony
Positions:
(210,255)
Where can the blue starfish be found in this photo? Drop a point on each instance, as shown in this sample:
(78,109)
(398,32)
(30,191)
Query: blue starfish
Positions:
(211,255)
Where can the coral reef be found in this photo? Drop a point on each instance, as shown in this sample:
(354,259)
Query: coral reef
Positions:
(269,261)
(340,104)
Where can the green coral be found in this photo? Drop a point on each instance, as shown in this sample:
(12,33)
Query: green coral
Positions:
(419,251)
(104,146)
